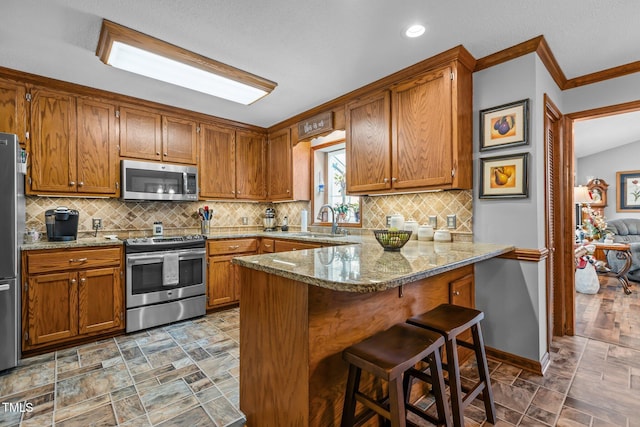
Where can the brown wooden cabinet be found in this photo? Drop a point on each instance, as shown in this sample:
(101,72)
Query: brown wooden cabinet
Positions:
(73,145)
(462,291)
(223,286)
(288,167)
(232,163)
(150,135)
(70,295)
(250,165)
(12,109)
(52,144)
(414,136)
(291,245)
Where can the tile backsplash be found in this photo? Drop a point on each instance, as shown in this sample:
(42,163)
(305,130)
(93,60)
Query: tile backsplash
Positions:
(130,219)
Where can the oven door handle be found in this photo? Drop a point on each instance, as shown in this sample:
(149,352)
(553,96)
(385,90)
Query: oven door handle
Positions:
(144,259)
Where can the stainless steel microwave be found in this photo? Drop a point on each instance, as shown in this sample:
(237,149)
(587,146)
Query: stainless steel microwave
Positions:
(158,181)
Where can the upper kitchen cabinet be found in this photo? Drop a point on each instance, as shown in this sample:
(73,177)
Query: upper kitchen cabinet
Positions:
(149,135)
(288,167)
(72,145)
(368,143)
(414,136)
(250,165)
(231,163)
(12,109)
(217,172)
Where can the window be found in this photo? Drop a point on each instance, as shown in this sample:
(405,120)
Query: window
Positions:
(329,186)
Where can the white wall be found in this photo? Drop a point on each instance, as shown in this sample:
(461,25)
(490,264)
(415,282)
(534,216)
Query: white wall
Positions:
(604,165)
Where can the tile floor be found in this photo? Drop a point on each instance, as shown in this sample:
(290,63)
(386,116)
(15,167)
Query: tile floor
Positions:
(187,374)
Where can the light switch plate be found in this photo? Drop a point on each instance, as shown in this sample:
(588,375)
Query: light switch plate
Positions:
(451,221)
(433,221)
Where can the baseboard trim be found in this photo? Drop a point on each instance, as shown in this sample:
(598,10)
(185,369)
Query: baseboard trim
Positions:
(536,367)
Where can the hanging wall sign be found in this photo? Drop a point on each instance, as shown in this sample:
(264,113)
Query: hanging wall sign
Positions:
(315,125)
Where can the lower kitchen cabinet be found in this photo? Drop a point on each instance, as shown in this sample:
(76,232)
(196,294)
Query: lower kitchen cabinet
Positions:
(290,245)
(223,279)
(69,295)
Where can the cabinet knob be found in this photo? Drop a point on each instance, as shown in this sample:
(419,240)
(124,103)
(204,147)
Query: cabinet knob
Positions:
(157,153)
(394,179)
(385,180)
(78,259)
(165,154)
(456,293)
(72,183)
(83,280)
(73,281)
(81,183)
(234,247)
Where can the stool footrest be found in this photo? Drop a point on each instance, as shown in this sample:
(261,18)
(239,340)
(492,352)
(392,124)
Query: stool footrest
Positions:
(413,408)
(373,405)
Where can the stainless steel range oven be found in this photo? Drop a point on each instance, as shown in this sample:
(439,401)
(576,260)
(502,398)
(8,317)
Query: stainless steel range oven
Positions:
(165,280)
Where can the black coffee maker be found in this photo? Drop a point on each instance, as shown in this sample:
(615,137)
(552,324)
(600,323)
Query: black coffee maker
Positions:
(62,224)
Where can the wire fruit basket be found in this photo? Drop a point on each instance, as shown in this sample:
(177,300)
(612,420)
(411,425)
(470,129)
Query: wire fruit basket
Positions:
(392,240)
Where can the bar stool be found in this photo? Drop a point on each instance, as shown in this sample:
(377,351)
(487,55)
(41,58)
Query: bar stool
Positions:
(450,321)
(391,356)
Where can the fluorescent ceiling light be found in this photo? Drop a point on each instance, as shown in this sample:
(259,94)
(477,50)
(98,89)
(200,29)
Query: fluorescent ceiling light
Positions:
(139,53)
(415,31)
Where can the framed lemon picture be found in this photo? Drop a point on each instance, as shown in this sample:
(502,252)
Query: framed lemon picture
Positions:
(504,176)
(504,126)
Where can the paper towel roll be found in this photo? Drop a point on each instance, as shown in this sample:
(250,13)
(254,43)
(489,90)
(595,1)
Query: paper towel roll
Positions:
(303,220)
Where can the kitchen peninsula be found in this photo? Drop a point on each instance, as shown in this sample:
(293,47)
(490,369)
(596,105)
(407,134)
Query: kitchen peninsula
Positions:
(300,309)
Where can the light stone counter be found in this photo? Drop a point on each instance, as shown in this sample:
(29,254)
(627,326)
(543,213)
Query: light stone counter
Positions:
(79,243)
(366,267)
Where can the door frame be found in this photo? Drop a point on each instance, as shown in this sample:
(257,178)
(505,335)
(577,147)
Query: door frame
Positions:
(566,198)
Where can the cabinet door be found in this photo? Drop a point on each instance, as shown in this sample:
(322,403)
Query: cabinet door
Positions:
(12,111)
(52,307)
(53,142)
(288,245)
(179,138)
(221,281)
(279,163)
(368,144)
(462,291)
(97,147)
(250,166)
(422,132)
(140,134)
(217,169)
(100,300)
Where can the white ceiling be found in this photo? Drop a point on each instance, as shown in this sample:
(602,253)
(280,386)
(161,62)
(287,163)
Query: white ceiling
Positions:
(314,50)
(596,135)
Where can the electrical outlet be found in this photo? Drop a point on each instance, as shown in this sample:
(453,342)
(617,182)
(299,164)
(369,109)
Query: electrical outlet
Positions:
(451,221)
(388,221)
(433,221)
(97,223)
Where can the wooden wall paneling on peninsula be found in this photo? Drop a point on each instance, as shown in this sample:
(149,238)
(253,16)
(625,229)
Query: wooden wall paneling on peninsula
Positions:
(13,115)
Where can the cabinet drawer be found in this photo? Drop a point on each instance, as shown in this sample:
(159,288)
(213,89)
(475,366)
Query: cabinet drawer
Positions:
(267,246)
(219,247)
(288,245)
(70,259)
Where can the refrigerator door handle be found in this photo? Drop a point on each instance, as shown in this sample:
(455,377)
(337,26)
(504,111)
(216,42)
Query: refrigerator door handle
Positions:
(4,288)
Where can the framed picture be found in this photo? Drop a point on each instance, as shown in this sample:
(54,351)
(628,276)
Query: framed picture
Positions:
(628,191)
(504,126)
(504,176)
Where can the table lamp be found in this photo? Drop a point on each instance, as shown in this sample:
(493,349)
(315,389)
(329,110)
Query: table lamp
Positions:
(581,196)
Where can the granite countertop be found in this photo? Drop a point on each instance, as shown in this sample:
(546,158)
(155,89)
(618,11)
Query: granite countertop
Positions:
(366,267)
(79,243)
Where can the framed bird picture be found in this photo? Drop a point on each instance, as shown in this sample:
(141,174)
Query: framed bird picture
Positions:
(504,176)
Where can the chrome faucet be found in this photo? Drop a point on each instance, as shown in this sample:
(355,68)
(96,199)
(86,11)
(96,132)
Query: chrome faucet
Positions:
(334,222)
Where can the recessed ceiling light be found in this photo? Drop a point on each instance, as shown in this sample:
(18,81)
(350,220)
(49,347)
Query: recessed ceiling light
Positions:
(415,31)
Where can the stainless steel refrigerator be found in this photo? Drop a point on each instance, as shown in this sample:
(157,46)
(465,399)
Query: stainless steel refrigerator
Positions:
(12,218)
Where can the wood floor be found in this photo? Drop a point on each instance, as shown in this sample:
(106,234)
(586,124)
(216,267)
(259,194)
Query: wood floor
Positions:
(610,315)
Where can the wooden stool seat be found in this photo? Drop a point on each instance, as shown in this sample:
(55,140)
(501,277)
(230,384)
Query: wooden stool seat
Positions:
(391,355)
(450,321)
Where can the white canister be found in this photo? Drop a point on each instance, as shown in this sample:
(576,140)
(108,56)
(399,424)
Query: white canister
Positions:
(411,225)
(442,236)
(425,232)
(397,222)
